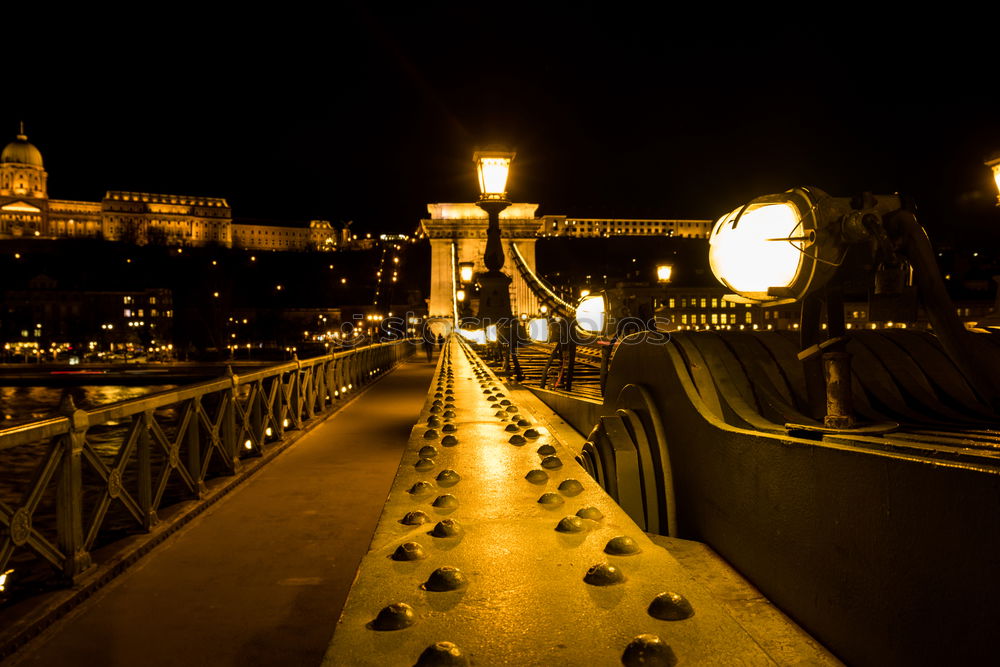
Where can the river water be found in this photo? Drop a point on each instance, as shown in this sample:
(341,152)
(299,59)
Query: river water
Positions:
(24,404)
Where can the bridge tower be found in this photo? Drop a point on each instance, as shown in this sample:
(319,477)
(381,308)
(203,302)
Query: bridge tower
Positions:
(464,227)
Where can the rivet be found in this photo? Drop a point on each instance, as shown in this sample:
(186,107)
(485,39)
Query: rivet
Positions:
(438,394)
(415,518)
(449,441)
(486,391)
(623,545)
(437,401)
(436,409)
(648,651)
(511,427)
(551,499)
(449,428)
(522,422)
(571,524)
(511,408)
(446,528)
(433,422)
(430,433)
(570,487)
(447,578)
(517,440)
(424,464)
(551,462)
(499,395)
(491,399)
(409,551)
(448,476)
(537,476)
(670,606)
(449,414)
(546,450)
(591,513)
(419,487)
(396,616)
(449,391)
(449,406)
(499,413)
(442,654)
(445,501)
(604,574)
(505,402)
(531,433)
(428,451)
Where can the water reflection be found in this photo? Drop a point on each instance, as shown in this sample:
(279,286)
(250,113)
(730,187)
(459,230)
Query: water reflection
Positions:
(25,404)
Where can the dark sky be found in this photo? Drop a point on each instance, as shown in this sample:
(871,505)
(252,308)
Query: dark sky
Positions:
(370,115)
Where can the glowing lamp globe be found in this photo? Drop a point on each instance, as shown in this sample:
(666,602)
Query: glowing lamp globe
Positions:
(460,294)
(465,271)
(663,273)
(493,167)
(590,313)
(491,333)
(994,164)
(538,330)
(767,250)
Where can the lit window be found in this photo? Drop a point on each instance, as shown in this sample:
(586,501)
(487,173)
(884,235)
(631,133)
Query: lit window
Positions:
(703,318)
(672,303)
(715,318)
(704,303)
(749,318)
(715,303)
(128,312)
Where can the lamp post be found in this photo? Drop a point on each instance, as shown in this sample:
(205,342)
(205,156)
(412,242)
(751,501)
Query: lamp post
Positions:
(492,168)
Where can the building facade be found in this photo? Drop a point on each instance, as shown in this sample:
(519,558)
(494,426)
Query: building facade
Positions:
(26,211)
(560,225)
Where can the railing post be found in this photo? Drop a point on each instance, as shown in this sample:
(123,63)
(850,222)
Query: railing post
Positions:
(297,393)
(229,444)
(256,425)
(69,493)
(193,439)
(144,461)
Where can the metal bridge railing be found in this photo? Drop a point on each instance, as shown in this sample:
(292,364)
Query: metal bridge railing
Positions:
(82,480)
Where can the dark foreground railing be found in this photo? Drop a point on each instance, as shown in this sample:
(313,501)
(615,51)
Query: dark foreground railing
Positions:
(72,484)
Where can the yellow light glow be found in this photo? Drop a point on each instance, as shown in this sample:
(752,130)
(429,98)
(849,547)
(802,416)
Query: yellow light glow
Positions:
(284,423)
(465,272)
(248,445)
(493,169)
(491,333)
(268,432)
(663,272)
(590,314)
(3,579)
(744,257)
(538,330)
(477,336)
(460,295)
(584,292)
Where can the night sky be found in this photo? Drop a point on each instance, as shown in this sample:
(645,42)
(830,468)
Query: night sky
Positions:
(369,116)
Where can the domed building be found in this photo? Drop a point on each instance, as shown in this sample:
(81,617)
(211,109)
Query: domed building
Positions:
(23,189)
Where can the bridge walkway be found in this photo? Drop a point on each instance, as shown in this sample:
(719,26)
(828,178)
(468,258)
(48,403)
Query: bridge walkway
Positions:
(260,577)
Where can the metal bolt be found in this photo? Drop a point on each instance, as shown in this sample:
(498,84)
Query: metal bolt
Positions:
(448,476)
(446,528)
(500,413)
(442,654)
(505,402)
(511,408)
(449,428)
(570,487)
(449,391)
(436,409)
(433,422)
(571,524)
(414,518)
(446,501)
(424,464)
(419,487)
(438,394)
(409,551)
(449,414)
(553,499)
(546,450)
(491,399)
(430,433)
(499,395)
(537,476)
(551,462)
(449,406)
(436,401)
(396,616)
(521,421)
(428,451)
(518,440)
(447,578)
(591,513)
(511,427)
(531,433)
(648,651)
(623,545)
(670,606)
(449,441)
(604,574)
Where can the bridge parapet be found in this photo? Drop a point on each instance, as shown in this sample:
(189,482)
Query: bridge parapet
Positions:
(76,483)
(496,547)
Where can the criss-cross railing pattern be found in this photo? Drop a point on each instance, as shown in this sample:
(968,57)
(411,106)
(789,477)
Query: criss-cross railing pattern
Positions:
(98,474)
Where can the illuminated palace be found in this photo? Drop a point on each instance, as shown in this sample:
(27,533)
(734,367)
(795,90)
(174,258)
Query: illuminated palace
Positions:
(26,211)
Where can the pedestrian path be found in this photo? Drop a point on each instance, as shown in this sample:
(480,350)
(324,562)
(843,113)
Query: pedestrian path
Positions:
(260,577)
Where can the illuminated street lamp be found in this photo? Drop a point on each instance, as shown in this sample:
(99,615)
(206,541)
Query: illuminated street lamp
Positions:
(493,168)
(663,273)
(465,271)
(994,164)
(460,294)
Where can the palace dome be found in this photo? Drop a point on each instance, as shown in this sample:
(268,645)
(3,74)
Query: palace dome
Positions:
(21,151)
